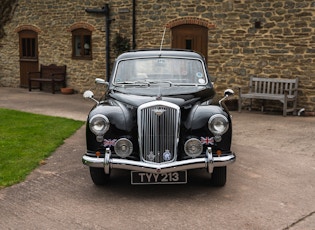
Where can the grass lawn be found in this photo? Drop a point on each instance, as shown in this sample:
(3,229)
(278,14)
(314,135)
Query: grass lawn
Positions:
(27,139)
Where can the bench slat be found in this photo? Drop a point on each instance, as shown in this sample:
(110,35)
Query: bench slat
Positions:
(266,96)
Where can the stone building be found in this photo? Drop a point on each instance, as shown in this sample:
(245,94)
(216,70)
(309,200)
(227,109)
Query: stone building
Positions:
(239,38)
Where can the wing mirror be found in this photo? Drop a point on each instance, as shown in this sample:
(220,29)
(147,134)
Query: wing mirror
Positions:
(228,92)
(90,95)
(101,81)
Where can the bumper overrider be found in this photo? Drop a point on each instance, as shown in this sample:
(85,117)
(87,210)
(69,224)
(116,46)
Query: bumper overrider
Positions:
(208,162)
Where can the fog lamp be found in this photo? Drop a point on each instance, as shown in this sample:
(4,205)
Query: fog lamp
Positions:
(193,147)
(123,147)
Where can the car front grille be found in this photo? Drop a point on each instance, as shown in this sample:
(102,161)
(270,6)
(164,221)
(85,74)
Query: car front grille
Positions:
(158,129)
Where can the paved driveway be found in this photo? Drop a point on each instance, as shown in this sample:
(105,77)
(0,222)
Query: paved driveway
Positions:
(271,186)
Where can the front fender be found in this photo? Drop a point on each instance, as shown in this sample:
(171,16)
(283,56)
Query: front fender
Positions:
(119,116)
(200,114)
(197,123)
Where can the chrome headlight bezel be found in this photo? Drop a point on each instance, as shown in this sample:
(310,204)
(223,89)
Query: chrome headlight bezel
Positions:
(99,124)
(218,124)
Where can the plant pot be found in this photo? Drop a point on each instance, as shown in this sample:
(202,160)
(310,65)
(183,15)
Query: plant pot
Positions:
(66,90)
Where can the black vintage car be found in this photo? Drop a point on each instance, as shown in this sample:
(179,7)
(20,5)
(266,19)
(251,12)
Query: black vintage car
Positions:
(157,120)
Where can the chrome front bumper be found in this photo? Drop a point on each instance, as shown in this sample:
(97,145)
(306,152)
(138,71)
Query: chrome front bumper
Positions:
(208,162)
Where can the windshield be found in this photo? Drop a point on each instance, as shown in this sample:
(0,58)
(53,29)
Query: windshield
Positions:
(156,70)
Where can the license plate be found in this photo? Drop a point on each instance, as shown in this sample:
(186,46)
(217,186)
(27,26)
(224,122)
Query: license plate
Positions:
(163,178)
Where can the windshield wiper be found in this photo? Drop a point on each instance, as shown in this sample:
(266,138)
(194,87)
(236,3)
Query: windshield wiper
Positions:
(149,83)
(133,83)
(158,82)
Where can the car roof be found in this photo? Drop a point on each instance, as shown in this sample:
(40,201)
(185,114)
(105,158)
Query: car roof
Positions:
(159,53)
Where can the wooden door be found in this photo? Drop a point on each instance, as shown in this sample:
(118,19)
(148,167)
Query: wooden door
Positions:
(28,55)
(192,37)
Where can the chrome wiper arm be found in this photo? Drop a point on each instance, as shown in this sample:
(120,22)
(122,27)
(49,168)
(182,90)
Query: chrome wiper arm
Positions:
(133,83)
(125,82)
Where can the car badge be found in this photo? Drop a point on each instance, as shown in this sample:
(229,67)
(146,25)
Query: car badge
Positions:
(167,156)
(158,112)
(109,142)
(151,156)
(207,140)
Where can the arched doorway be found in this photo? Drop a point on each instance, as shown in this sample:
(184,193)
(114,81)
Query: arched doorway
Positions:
(192,37)
(28,46)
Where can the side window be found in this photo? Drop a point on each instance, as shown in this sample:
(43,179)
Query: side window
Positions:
(82,44)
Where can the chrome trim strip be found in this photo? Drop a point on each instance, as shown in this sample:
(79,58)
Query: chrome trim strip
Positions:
(208,162)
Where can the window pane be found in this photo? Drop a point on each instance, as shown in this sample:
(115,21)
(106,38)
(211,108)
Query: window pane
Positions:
(24,47)
(87,45)
(188,44)
(77,46)
(33,47)
(28,47)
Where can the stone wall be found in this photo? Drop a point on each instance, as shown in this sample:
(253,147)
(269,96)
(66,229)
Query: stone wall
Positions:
(54,20)
(284,46)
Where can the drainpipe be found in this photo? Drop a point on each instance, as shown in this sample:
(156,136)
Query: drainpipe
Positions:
(105,11)
(133,24)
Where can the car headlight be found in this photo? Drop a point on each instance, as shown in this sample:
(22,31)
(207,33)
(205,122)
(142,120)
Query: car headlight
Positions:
(193,147)
(123,147)
(99,124)
(218,124)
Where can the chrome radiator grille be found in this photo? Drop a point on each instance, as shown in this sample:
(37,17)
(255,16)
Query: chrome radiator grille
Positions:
(158,129)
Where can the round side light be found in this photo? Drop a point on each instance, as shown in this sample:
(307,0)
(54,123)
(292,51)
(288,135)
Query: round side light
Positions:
(123,147)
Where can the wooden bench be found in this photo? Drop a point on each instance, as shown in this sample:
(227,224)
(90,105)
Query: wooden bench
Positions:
(51,74)
(281,89)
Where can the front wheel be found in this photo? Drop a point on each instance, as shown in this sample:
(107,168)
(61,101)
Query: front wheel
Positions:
(98,176)
(218,177)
